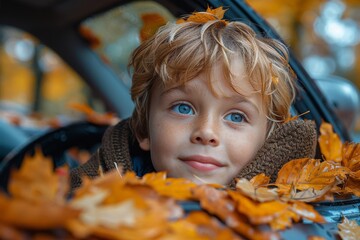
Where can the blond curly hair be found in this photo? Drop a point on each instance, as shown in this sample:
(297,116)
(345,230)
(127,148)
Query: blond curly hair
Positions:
(179,52)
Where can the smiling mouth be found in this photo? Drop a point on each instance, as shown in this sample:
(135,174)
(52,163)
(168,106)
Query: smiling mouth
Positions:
(201,163)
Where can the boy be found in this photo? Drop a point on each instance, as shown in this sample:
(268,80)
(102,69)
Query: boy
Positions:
(212,102)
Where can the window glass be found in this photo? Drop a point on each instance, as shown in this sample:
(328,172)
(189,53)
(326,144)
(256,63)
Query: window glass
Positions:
(116,33)
(36,86)
(325,36)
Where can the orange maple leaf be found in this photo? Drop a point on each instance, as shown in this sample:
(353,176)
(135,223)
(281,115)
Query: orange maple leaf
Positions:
(36,180)
(203,17)
(37,195)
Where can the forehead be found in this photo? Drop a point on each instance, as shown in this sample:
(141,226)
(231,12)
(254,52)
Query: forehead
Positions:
(223,78)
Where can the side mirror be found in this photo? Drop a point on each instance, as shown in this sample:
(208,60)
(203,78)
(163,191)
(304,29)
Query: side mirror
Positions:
(344,97)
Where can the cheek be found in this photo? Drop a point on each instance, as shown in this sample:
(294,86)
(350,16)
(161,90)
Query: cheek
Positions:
(164,139)
(243,151)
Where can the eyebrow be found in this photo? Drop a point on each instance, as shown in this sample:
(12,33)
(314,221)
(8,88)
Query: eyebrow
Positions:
(242,99)
(175,88)
(235,98)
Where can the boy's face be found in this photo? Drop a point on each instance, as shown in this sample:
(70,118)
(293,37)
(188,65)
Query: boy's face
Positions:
(196,135)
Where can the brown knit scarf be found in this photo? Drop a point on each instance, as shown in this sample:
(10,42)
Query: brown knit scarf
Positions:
(295,139)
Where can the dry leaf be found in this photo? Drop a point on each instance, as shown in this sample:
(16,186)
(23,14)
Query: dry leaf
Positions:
(260,180)
(308,173)
(93,40)
(349,230)
(124,206)
(260,194)
(203,17)
(177,188)
(94,117)
(45,183)
(306,211)
(112,216)
(218,203)
(330,143)
(199,225)
(351,156)
(151,23)
(352,186)
(258,213)
(35,215)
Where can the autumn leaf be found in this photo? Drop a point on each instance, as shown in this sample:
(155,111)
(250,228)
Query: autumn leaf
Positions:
(177,188)
(258,213)
(111,216)
(260,180)
(308,173)
(261,194)
(123,206)
(94,117)
(93,40)
(217,12)
(199,225)
(219,203)
(330,143)
(36,180)
(307,195)
(38,215)
(351,156)
(276,213)
(306,211)
(115,206)
(349,230)
(352,186)
(151,23)
(203,17)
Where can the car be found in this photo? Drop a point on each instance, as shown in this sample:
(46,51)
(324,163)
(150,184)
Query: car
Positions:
(74,29)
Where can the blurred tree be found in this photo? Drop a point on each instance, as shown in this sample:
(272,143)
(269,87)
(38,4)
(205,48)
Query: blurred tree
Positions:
(325,31)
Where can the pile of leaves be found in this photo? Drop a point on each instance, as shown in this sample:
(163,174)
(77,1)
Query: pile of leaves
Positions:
(116,206)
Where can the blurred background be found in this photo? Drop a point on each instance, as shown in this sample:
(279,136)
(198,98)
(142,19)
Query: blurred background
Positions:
(323,34)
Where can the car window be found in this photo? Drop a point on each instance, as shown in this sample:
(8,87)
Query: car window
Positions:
(115,33)
(325,37)
(36,86)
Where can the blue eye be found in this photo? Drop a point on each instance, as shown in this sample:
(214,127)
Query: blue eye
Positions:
(183,108)
(235,117)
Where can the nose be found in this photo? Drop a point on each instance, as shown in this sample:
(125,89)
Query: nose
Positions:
(206,133)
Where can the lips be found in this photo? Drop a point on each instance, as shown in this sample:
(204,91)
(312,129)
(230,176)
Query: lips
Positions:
(202,163)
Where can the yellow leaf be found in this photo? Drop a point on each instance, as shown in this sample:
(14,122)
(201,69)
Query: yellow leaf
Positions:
(330,143)
(259,180)
(349,230)
(151,23)
(351,156)
(260,194)
(36,180)
(203,17)
(311,173)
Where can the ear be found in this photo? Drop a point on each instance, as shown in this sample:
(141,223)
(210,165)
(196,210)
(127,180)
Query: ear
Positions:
(144,143)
